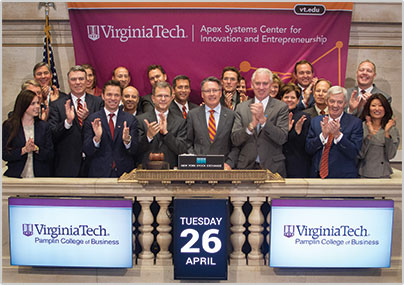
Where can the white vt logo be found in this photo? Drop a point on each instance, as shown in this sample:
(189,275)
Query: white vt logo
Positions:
(93,32)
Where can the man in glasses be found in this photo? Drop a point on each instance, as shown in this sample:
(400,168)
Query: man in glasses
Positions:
(161,131)
(209,126)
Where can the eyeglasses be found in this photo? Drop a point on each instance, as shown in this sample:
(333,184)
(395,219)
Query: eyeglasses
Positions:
(161,96)
(208,91)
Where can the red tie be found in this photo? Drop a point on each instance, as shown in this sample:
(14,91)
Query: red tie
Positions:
(212,126)
(111,128)
(322,112)
(79,107)
(184,112)
(324,158)
(111,124)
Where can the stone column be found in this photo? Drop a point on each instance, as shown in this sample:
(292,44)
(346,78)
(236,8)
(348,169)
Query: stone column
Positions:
(255,238)
(164,257)
(146,257)
(237,238)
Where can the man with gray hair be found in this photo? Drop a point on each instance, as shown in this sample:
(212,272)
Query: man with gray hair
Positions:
(66,118)
(335,140)
(261,127)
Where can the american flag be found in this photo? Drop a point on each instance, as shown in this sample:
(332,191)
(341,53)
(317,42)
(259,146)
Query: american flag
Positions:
(48,58)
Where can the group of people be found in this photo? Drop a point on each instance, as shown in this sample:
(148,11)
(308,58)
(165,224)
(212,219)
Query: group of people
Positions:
(305,128)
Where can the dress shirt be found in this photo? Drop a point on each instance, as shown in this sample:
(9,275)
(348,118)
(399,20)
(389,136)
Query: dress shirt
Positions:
(318,110)
(368,90)
(180,106)
(216,114)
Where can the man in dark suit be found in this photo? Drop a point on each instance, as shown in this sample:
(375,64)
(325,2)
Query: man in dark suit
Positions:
(230,80)
(304,77)
(261,127)
(365,76)
(335,140)
(181,104)
(161,131)
(155,73)
(320,105)
(199,140)
(43,75)
(66,118)
(110,136)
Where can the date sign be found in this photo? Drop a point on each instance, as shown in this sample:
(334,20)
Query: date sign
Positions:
(200,239)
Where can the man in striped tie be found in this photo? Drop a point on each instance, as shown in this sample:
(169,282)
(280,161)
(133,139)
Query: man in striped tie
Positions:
(66,118)
(209,126)
(335,140)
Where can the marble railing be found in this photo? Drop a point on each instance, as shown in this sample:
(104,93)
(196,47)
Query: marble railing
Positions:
(254,194)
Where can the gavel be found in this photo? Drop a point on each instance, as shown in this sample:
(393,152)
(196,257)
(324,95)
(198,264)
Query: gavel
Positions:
(156,156)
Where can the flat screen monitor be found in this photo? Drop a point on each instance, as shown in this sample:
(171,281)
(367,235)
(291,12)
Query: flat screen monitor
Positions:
(331,233)
(70,232)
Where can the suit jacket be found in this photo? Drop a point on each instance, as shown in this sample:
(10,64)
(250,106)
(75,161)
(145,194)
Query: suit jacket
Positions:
(198,140)
(146,103)
(375,90)
(111,150)
(268,142)
(16,161)
(174,109)
(172,144)
(312,112)
(68,142)
(342,160)
(376,152)
(298,161)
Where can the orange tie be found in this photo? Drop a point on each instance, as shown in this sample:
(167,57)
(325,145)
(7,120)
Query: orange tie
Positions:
(212,126)
(324,158)
(79,107)
(184,112)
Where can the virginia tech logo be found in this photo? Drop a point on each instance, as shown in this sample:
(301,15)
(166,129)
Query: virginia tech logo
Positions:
(288,231)
(27,229)
(93,32)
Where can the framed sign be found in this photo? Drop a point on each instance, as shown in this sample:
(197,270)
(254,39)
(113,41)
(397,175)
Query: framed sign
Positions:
(200,239)
(75,232)
(351,233)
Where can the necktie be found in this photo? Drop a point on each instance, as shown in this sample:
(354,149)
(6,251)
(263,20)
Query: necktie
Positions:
(79,107)
(324,158)
(111,124)
(184,112)
(212,126)
(322,112)
(363,91)
(111,128)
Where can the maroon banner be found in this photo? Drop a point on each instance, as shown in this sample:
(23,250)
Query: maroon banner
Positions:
(200,41)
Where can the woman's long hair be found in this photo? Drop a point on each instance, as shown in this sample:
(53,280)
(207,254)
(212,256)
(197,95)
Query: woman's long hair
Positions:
(388,111)
(21,104)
